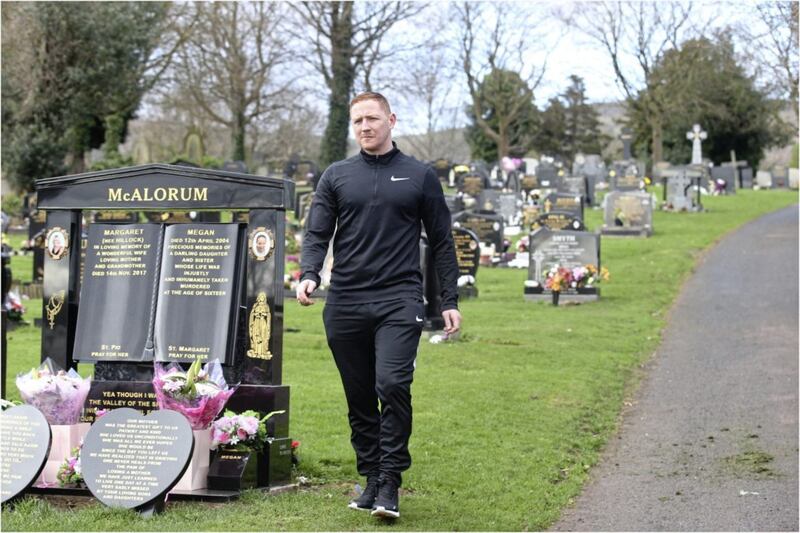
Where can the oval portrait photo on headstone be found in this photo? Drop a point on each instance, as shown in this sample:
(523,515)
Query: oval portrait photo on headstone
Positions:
(261,243)
(57,243)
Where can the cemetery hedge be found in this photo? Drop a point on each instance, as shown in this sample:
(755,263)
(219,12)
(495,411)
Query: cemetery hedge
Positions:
(508,421)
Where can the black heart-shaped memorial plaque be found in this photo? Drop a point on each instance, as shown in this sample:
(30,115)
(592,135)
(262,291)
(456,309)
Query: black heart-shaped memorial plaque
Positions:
(25,444)
(130,460)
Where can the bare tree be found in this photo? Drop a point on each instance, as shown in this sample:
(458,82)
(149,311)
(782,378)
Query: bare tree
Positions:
(636,35)
(229,65)
(774,51)
(491,56)
(345,39)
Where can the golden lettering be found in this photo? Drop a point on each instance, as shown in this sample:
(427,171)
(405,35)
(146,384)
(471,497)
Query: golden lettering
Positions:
(114,195)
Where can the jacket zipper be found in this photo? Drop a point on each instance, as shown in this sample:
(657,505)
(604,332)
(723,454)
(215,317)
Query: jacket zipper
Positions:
(375,183)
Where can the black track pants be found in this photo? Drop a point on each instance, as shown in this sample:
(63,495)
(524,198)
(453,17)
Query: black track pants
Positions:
(374,346)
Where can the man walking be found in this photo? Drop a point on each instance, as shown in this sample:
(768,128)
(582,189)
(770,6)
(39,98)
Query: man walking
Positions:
(374,312)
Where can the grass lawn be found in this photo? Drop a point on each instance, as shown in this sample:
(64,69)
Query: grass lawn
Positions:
(507,422)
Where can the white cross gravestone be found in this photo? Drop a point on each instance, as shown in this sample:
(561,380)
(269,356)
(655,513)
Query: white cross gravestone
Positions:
(697,136)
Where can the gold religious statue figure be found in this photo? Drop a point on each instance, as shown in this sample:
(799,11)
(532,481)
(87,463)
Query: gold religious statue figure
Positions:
(260,329)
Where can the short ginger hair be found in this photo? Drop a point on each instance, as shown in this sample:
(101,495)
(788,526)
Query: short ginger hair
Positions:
(370,95)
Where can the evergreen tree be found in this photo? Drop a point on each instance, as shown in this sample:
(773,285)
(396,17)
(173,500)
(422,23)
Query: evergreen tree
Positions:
(551,138)
(582,126)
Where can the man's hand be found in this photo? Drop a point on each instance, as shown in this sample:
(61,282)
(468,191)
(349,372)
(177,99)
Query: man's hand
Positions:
(452,321)
(304,290)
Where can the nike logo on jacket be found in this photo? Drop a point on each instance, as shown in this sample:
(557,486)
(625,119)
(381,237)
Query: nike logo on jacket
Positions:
(377,206)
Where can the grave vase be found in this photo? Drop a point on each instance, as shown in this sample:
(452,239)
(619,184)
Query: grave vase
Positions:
(65,438)
(196,475)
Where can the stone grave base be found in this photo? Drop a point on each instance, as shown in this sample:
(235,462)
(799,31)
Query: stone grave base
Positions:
(536,294)
(615,231)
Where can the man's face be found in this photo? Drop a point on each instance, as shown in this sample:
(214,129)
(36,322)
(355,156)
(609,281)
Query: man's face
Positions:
(372,126)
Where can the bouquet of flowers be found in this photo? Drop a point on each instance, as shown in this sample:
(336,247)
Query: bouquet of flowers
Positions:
(588,276)
(70,474)
(199,394)
(562,278)
(59,395)
(245,432)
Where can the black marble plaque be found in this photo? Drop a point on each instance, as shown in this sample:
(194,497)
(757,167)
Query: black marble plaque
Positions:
(468,251)
(198,288)
(109,395)
(558,220)
(25,445)
(119,217)
(487,226)
(117,293)
(472,184)
(130,460)
(564,203)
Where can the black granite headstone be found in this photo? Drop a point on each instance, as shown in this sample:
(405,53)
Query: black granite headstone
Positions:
(487,226)
(117,292)
(132,461)
(472,184)
(25,445)
(557,220)
(197,293)
(468,251)
(746,178)
(726,174)
(574,185)
(564,203)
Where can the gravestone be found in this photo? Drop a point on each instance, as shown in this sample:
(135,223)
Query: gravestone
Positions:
(487,226)
(509,207)
(468,255)
(726,174)
(697,136)
(628,213)
(794,178)
(764,179)
(780,177)
(627,141)
(547,173)
(303,206)
(592,167)
(745,178)
(431,290)
(472,184)
(530,212)
(568,249)
(557,221)
(489,201)
(574,185)
(527,184)
(131,460)
(455,203)
(25,445)
(234,270)
(118,217)
(442,167)
(626,176)
(36,231)
(679,188)
(564,203)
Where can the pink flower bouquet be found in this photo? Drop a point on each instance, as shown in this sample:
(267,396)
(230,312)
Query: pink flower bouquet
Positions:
(245,432)
(70,474)
(59,395)
(197,394)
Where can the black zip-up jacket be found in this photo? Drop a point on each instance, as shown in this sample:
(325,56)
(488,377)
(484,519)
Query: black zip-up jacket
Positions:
(375,205)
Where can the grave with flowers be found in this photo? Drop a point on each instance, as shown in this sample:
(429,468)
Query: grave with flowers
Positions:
(564,266)
(180,317)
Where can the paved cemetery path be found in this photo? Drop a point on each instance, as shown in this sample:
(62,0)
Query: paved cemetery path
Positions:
(711,440)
